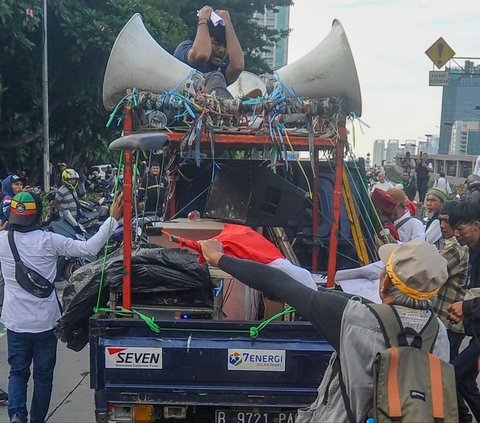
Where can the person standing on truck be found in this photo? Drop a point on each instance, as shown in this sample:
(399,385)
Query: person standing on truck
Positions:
(151,193)
(28,315)
(413,274)
(215,39)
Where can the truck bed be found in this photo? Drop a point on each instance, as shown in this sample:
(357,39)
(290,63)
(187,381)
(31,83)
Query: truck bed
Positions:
(205,363)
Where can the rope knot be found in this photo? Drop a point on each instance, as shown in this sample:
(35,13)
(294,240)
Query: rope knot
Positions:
(254,331)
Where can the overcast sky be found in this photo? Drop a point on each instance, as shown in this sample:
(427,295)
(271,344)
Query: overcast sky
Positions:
(388,39)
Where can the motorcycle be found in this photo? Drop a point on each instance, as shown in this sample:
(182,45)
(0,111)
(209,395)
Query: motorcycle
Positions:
(69,228)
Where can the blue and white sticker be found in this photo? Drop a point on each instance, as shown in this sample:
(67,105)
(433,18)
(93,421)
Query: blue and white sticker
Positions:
(256,360)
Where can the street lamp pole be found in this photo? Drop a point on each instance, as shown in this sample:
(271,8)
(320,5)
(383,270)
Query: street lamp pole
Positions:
(428,141)
(46,129)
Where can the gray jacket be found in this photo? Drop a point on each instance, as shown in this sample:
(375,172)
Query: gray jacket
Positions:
(347,324)
(361,339)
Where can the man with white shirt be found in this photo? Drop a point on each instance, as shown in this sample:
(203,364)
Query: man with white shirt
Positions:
(29,315)
(408,227)
(382,183)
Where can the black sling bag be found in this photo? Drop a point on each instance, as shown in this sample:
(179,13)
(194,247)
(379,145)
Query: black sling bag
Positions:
(30,280)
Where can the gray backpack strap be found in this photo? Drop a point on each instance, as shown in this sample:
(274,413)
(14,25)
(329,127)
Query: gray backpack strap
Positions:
(396,335)
(400,224)
(429,333)
(389,321)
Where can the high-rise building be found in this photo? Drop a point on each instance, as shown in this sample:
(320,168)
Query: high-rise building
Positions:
(378,152)
(392,150)
(410,146)
(276,56)
(459,101)
(465,138)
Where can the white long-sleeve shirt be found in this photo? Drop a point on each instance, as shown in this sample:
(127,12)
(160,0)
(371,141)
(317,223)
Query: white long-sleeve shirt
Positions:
(434,233)
(413,229)
(39,250)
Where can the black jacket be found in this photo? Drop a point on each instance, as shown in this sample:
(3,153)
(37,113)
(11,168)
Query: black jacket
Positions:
(471,317)
(474,262)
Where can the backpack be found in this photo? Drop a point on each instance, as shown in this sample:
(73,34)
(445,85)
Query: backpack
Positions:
(410,383)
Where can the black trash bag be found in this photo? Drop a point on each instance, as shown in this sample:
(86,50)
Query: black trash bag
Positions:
(154,270)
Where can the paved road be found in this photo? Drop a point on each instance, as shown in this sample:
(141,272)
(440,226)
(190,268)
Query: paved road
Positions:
(72,399)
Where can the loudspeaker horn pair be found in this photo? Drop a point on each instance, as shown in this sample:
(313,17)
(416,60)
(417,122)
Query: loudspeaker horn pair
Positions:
(137,60)
(327,70)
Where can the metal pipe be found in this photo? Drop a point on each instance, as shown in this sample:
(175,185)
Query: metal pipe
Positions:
(127,215)
(46,129)
(315,210)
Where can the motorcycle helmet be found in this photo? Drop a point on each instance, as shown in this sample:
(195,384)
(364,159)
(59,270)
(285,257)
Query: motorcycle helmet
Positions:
(70,178)
(473,182)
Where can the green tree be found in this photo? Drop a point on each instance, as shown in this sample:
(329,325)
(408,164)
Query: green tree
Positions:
(80,36)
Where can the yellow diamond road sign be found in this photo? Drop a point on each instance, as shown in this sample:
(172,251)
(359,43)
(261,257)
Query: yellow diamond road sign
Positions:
(440,53)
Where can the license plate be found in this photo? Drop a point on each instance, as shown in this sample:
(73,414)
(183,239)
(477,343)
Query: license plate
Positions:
(236,416)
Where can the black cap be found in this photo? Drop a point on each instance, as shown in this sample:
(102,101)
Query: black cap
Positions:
(448,206)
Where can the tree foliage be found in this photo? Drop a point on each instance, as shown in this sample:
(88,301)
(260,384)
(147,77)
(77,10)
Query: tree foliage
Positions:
(80,36)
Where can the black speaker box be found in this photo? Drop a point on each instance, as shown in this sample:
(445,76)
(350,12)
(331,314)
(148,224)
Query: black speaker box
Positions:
(253,195)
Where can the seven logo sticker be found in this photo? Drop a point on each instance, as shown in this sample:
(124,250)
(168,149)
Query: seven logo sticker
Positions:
(133,358)
(259,360)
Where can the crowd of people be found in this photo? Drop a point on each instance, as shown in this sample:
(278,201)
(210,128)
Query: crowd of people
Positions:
(443,253)
(430,271)
(452,227)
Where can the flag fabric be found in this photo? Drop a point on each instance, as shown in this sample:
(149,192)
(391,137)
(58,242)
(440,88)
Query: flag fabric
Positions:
(241,242)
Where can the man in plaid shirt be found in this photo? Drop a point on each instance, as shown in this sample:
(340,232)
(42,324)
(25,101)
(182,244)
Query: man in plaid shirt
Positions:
(455,288)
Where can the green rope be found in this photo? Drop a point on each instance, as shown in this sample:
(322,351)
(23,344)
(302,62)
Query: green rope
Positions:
(105,251)
(375,212)
(359,196)
(132,97)
(254,331)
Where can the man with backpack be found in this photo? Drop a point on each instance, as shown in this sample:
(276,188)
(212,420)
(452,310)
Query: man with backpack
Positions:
(398,350)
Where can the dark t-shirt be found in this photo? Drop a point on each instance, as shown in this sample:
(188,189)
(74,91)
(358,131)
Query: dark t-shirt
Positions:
(181,53)
(422,171)
(152,193)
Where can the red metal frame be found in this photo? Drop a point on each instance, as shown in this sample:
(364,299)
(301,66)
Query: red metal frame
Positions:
(337,198)
(239,141)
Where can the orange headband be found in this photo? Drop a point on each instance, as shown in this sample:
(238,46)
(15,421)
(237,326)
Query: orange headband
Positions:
(404,288)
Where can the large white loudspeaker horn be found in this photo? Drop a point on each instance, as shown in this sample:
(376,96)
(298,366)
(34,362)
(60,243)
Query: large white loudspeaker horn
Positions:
(137,60)
(327,70)
(248,85)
